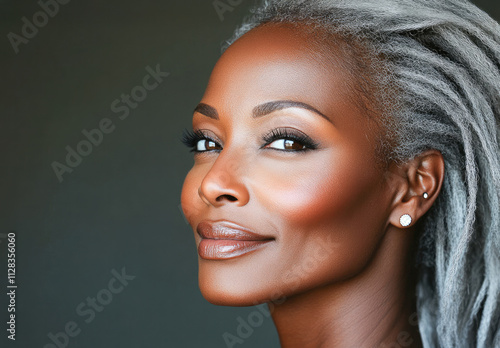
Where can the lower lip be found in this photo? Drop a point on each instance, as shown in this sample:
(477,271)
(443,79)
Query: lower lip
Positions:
(223,249)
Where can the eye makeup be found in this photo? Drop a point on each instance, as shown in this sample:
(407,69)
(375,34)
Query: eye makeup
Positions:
(291,140)
(192,138)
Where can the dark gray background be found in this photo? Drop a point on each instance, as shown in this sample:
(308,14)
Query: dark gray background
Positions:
(120,206)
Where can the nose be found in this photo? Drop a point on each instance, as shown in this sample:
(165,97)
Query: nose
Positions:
(223,184)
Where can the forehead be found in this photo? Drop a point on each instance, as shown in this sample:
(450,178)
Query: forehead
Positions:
(279,61)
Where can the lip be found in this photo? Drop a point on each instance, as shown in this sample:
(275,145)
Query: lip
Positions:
(222,240)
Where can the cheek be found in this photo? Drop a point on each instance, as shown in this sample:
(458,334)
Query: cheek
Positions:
(328,218)
(322,189)
(190,201)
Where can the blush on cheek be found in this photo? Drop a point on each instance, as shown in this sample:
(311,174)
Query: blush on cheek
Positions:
(335,205)
(308,198)
(191,203)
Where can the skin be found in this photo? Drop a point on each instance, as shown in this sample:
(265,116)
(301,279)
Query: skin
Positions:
(338,272)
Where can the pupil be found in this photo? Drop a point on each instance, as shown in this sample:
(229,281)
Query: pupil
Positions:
(293,145)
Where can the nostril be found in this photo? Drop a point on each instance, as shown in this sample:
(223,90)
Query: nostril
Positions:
(228,197)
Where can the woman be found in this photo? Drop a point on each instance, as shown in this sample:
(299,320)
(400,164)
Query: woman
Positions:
(347,173)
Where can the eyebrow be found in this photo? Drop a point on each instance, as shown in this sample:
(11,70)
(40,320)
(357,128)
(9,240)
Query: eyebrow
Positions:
(262,109)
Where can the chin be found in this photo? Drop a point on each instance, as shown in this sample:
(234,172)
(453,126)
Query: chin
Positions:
(234,296)
(220,297)
(221,284)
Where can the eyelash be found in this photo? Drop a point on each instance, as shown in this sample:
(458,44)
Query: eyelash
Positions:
(290,134)
(191,138)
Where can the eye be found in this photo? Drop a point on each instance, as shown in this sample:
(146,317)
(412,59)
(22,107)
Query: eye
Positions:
(199,141)
(287,144)
(289,140)
(207,145)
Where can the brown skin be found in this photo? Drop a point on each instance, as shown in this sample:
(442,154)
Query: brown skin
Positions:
(340,262)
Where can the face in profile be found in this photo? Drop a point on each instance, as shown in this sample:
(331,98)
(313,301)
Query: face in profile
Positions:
(286,194)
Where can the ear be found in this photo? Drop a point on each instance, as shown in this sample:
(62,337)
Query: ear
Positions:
(418,183)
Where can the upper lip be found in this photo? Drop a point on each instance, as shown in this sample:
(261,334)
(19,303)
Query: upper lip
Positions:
(227,230)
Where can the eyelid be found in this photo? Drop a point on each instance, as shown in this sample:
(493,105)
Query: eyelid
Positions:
(190,138)
(292,134)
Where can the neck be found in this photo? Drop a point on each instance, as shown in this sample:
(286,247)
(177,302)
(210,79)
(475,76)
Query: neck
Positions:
(375,308)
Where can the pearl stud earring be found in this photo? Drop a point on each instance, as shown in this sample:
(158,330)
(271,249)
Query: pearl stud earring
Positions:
(426,195)
(405,220)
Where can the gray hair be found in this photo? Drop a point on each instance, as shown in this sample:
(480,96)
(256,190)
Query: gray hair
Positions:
(444,58)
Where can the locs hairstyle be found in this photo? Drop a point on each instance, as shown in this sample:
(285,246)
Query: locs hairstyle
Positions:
(435,69)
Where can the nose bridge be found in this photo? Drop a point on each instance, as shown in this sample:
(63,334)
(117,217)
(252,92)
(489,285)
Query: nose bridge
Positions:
(224,182)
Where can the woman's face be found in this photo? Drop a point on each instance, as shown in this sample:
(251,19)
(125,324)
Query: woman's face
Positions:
(286,189)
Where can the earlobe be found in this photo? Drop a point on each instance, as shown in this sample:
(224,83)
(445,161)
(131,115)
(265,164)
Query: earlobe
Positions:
(420,183)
